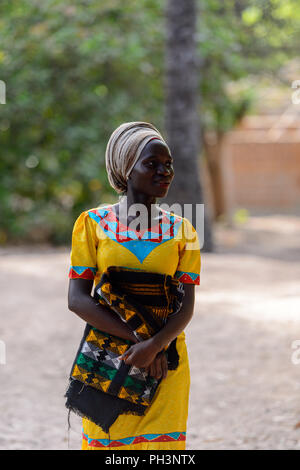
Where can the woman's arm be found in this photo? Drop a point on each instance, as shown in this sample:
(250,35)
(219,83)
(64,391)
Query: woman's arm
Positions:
(104,319)
(179,321)
(143,354)
(82,303)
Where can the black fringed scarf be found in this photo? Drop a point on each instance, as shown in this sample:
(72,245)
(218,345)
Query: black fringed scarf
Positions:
(101,386)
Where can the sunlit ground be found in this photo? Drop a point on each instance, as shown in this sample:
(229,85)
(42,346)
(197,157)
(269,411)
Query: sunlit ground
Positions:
(244,384)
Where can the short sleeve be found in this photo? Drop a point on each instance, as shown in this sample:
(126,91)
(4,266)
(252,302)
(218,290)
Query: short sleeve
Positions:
(83,258)
(188,269)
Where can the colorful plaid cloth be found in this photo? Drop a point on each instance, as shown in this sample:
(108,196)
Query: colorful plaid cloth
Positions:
(144,301)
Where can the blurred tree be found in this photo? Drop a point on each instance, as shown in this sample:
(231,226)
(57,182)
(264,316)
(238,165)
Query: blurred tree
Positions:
(76,70)
(240,41)
(182,120)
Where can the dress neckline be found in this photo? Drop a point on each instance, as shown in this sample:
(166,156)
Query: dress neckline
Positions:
(166,229)
(151,228)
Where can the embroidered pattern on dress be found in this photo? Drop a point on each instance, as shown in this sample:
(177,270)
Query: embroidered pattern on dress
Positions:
(165,230)
(170,437)
(188,278)
(82,272)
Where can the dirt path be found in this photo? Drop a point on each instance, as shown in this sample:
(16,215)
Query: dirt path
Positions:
(245,388)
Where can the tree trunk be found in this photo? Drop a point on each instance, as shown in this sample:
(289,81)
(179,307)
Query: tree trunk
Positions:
(213,152)
(181,114)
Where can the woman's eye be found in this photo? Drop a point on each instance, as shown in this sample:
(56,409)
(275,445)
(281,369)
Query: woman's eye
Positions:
(153,164)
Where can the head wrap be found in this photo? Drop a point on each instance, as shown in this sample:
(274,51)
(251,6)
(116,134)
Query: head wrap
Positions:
(124,149)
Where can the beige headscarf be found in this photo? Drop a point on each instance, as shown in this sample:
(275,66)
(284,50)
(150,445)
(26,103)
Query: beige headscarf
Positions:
(124,149)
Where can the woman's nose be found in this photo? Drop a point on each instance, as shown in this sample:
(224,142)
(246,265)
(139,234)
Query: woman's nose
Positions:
(163,169)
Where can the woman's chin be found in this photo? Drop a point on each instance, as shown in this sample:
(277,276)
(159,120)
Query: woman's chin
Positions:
(162,192)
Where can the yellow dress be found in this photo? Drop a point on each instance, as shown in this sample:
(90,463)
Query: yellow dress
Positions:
(171,247)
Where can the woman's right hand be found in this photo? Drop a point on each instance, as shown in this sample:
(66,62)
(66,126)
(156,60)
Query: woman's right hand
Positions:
(159,367)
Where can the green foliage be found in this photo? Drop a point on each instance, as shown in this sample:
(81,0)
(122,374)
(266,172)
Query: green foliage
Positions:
(241,39)
(75,70)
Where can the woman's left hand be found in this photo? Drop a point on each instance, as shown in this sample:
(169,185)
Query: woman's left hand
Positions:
(159,367)
(141,354)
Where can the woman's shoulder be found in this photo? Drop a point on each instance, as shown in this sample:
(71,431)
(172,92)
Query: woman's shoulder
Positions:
(100,207)
(95,212)
(172,215)
(183,229)
(178,219)
(90,217)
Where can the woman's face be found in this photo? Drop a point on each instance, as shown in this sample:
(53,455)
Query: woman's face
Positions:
(153,172)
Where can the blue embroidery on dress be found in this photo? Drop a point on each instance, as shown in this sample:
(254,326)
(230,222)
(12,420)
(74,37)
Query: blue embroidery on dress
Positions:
(140,246)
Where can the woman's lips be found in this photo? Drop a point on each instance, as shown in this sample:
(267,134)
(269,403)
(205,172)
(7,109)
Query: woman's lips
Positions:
(164,184)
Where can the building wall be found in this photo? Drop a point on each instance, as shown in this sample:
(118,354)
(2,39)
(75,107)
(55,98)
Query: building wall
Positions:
(261,168)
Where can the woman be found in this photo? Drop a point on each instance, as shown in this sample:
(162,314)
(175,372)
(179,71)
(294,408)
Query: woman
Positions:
(139,166)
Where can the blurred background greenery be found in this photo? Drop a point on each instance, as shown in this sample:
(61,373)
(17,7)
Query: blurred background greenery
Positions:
(75,70)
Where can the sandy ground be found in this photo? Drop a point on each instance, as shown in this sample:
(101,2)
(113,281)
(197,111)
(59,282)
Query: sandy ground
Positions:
(245,375)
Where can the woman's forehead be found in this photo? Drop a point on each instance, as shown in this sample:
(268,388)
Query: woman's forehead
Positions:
(155,147)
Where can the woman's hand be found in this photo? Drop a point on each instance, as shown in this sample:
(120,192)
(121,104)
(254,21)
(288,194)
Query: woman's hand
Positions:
(141,354)
(159,367)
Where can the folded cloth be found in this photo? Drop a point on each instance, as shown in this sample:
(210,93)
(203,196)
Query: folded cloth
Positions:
(101,386)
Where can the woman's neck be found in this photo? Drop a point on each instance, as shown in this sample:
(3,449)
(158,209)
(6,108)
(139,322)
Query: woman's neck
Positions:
(132,198)
(129,205)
